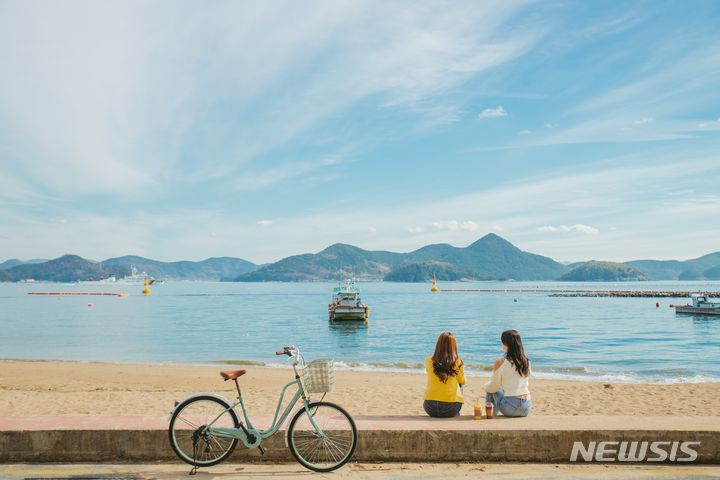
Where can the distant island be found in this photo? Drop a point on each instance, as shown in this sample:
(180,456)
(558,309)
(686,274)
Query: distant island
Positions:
(594,271)
(489,258)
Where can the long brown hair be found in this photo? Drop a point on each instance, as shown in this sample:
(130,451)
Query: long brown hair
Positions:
(445,356)
(515,353)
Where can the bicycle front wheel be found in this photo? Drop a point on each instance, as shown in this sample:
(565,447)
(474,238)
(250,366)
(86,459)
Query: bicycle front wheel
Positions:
(323,439)
(189,437)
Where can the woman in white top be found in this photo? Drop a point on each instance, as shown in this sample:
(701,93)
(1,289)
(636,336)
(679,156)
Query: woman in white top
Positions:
(508,388)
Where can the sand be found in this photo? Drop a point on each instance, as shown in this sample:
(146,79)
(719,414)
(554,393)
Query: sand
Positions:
(56,387)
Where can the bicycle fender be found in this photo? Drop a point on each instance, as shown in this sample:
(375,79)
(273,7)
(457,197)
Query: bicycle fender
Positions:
(202,394)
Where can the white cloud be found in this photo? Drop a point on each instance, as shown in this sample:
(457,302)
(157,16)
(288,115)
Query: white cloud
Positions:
(498,111)
(643,120)
(127,95)
(467,225)
(550,125)
(265,223)
(372,230)
(577,228)
(416,229)
(497,228)
(524,132)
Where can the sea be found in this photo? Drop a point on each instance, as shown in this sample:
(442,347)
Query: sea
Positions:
(595,339)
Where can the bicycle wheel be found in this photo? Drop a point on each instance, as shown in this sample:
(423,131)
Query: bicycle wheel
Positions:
(329,448)
(187,436)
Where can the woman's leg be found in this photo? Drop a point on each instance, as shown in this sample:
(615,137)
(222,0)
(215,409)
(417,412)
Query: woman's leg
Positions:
(495,399)
(442,409)
(515,407)
(430,407)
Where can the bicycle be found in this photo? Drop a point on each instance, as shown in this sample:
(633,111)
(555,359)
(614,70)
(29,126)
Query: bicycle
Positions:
(205,429)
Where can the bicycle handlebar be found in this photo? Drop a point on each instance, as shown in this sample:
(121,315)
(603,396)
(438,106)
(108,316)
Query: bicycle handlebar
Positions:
(289,351)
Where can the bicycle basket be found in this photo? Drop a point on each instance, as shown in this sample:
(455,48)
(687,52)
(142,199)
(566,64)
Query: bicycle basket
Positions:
(319,376)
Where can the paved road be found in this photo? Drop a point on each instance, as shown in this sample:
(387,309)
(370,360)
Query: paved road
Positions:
(361,471)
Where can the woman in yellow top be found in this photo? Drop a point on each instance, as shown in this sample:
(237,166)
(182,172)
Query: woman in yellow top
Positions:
(446,377)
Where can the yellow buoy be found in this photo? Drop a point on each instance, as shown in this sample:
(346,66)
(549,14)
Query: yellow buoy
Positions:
(434,285)
(146,288)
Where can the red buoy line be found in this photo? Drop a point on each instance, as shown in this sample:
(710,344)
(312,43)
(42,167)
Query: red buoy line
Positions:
(107,294)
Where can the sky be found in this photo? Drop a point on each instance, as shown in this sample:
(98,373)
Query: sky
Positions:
(186,130)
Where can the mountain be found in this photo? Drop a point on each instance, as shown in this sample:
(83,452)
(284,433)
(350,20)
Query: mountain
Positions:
(337,262)
(68,268)
(491,257)
(426,271)
(594,271)
(14,262)
(218,268)
(72,268)
(677,270)
(712,273)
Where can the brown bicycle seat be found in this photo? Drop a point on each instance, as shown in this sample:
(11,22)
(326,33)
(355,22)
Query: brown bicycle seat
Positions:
(232,374)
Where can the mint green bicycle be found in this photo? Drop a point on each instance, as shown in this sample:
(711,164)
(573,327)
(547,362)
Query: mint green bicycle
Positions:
(205,429)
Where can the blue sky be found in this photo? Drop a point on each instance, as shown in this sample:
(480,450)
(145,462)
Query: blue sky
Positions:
(184,130)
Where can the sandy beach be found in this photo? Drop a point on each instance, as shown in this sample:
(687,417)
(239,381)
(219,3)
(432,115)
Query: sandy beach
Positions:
(58,387)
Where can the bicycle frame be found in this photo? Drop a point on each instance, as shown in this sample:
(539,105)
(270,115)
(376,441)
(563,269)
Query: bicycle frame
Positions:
(241,434)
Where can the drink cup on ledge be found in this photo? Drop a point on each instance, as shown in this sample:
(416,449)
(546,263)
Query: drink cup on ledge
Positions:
(478,411)
(489,410)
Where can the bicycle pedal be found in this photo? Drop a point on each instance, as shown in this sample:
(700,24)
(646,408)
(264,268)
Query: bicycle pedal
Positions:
(262,450)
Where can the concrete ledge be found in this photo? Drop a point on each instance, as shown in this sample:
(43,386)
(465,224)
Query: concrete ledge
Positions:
(398,439)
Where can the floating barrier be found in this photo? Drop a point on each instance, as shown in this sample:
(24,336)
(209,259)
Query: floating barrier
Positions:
(592,293)
(106,294)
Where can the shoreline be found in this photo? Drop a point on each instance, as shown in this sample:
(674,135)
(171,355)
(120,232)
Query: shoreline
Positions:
(471,370)
(49,387)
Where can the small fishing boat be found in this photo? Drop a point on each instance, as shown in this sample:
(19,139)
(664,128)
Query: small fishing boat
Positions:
(700,306)
(347,305)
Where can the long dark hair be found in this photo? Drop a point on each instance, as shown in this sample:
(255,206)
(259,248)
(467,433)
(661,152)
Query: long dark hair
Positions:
(516,352)
(445,356)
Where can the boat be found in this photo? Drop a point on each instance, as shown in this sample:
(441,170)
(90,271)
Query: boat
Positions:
(347,305)
(137,278)
(104,281)
(700,306)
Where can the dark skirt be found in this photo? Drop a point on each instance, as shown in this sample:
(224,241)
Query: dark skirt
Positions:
(438,409)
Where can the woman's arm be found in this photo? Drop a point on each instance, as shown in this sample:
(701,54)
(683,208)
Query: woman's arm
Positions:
(461,374)
(495,382)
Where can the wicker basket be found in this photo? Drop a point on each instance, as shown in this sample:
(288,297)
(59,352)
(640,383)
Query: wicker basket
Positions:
(319,376)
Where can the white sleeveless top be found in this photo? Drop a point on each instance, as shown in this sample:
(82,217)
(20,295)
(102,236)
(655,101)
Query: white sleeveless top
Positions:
(508,378)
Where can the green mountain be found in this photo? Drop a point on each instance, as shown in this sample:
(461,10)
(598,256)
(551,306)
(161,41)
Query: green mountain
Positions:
(594,271)
(337,262)
(426,271)
(217,268)
(491,257)
(712,273)
(72,268)
(68,268)
(14,262)
(677,270)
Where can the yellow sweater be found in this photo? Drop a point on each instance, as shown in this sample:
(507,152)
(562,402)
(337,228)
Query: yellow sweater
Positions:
(444,392)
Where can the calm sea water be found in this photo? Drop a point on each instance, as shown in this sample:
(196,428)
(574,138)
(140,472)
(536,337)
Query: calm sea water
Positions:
(618,339)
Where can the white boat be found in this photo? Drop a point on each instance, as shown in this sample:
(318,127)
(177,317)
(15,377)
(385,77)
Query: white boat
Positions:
(347,305)
(700,306)
(105,281)
(136,278)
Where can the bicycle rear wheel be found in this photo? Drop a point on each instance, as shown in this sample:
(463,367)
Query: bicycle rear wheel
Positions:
(188,438)
(327,447)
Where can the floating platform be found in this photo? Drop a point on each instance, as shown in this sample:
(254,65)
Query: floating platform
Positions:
(592,293)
